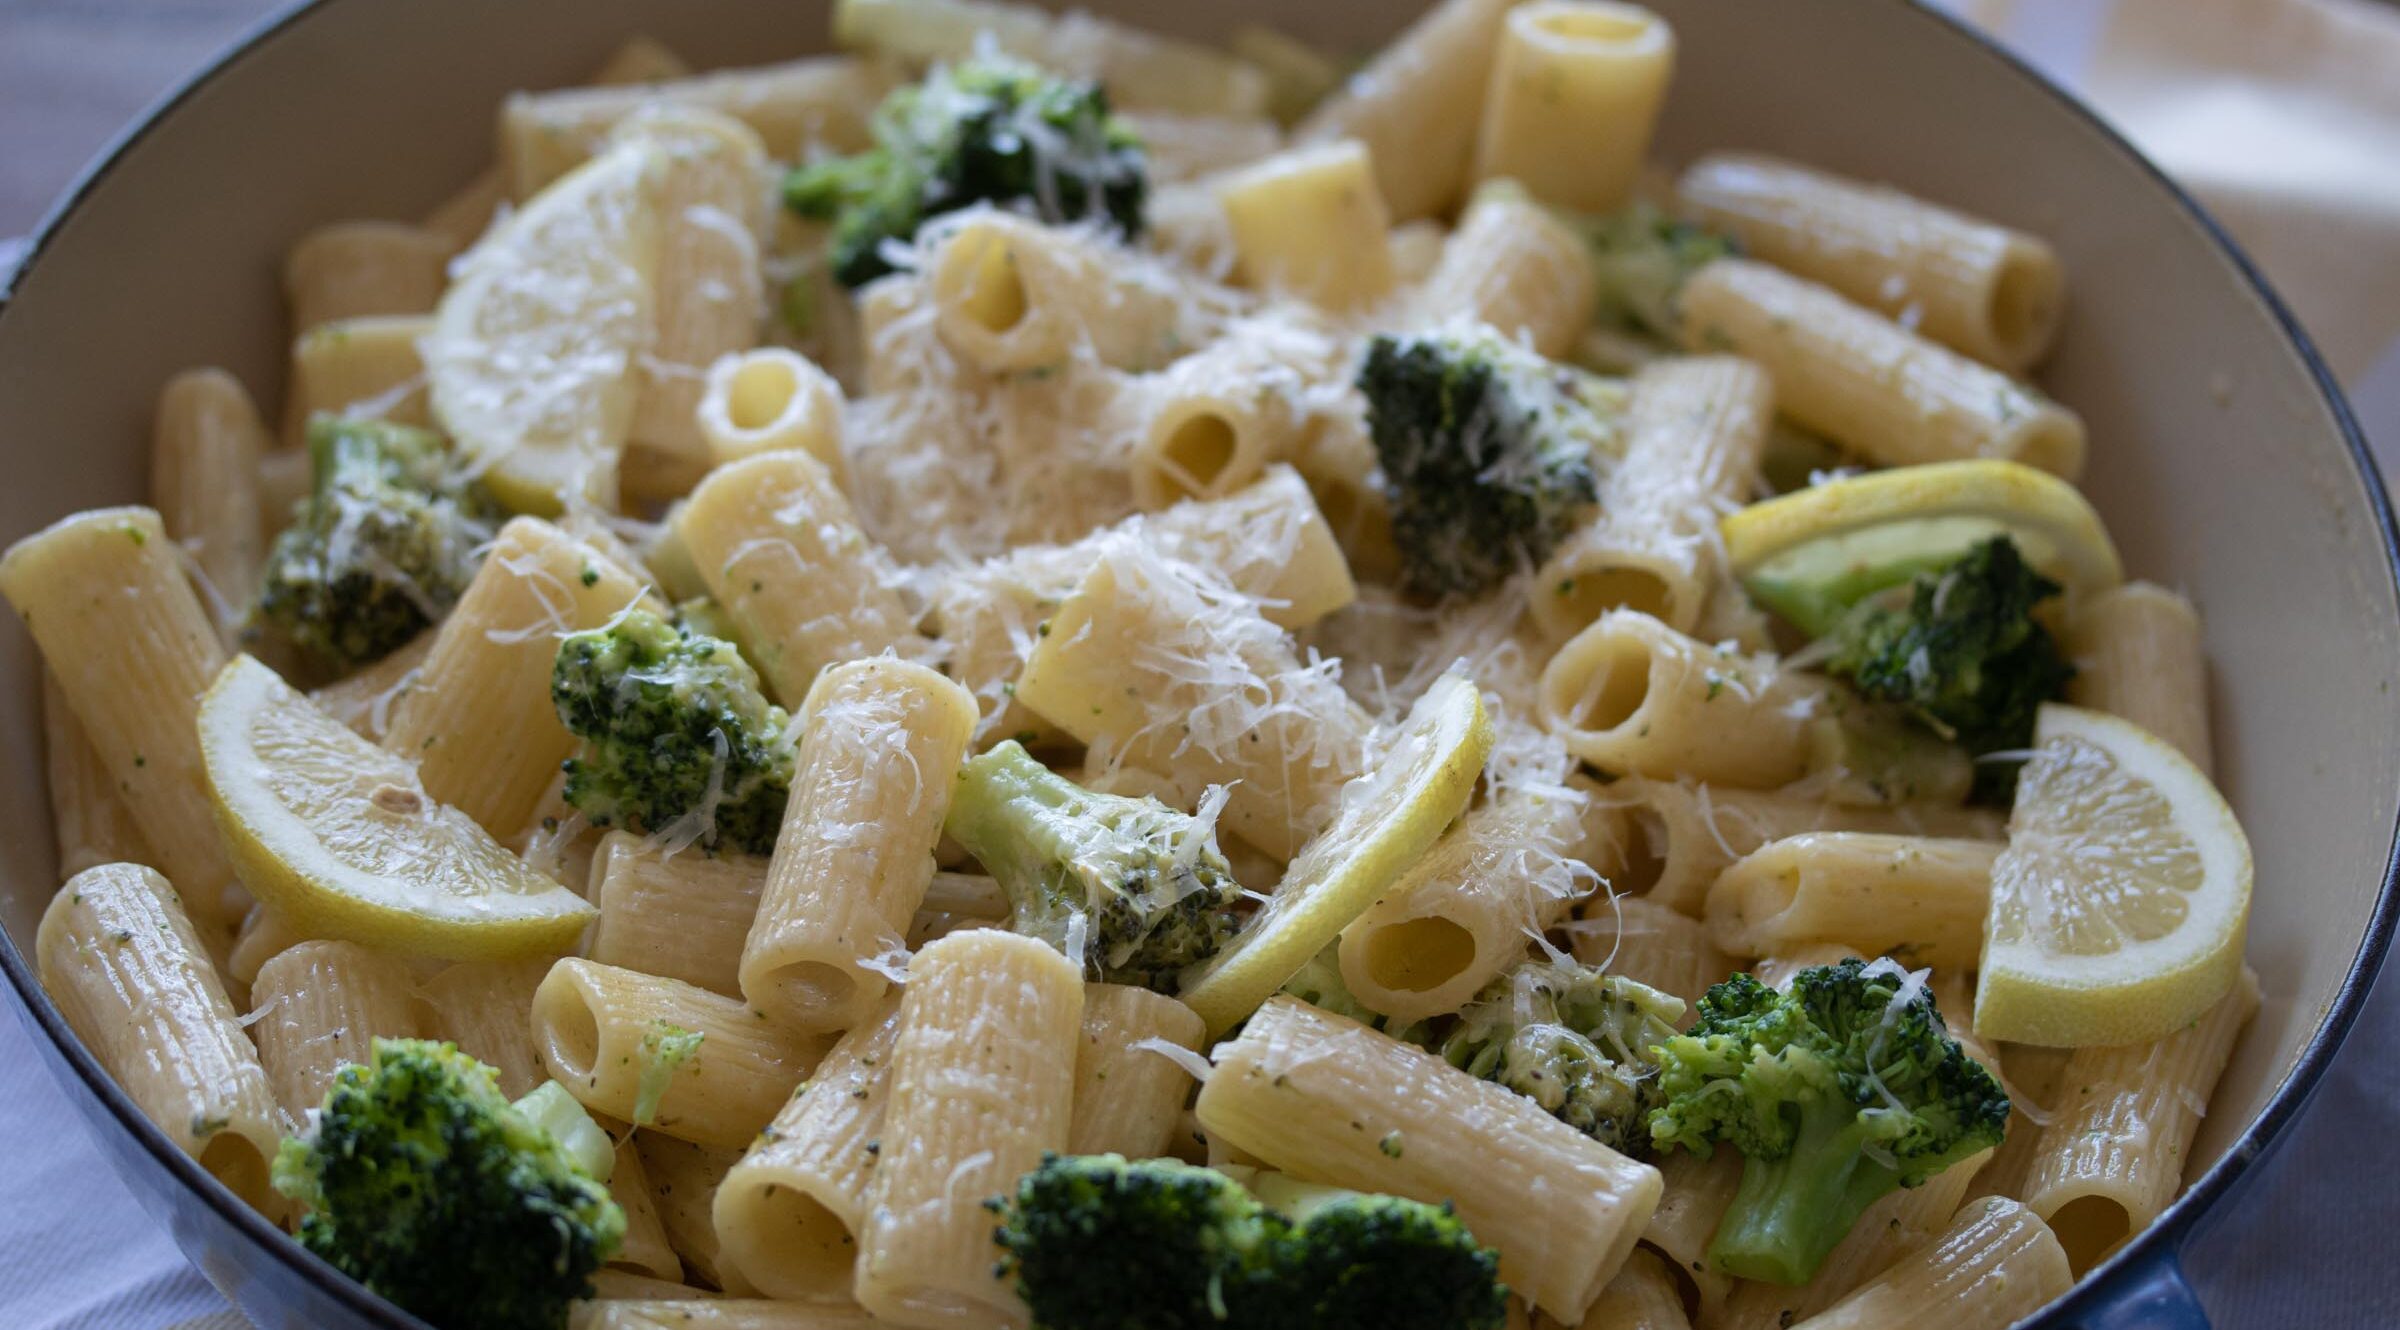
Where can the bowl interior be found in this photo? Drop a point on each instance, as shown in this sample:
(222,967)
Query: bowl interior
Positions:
(2220,464)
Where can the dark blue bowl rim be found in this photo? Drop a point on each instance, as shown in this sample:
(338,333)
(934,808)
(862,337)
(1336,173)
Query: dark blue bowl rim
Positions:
(2097,1290)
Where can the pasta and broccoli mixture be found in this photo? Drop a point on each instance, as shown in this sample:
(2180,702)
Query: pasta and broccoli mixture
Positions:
(1037,675)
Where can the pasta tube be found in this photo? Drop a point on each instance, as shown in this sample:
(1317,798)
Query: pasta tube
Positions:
(1128,1094)
(204,456)
(1681,834)
(1416,106)
(1141,68)
(1463,912)
(2137,654)
(708,289)
(684,1181)
(1165,672)
(1329,1099)
(318,1005)
(679,916)
(614,1036)
(1984,290)
(486,1008)
(788,1214)
(1869,384)
(1916,897)
(2119,1139)
(1650,943)
(91,820)
(349,270)
(780,550)
(478,721)
(1216,419)
(118,954)
(1695,430)
(1309,223)
(132,650)
(1995,1264)
(1512,265)
(645,1250)
(366,366)
(982,1076)
(1633,696)
(1574,93)
(770,400)
(880,743)
(1012,296)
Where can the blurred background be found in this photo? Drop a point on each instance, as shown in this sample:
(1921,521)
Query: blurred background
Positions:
(2283,116)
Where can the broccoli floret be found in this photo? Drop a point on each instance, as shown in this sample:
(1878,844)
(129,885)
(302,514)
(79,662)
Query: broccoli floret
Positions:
(383,545)
(1138,890)
(422,1182)
(1574,1040)
(1963,655)
(1835,1093)
(1487,449)
(673,724)
(991,130)
(1640,258)
(1097,1243)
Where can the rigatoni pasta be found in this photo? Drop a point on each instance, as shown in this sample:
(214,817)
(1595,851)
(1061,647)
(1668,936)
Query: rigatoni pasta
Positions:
(119,956)
(1575,88)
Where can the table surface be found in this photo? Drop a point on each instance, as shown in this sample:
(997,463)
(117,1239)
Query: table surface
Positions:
(2306,1244)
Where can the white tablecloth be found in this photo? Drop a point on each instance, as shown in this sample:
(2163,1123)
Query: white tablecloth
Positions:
(2285,116)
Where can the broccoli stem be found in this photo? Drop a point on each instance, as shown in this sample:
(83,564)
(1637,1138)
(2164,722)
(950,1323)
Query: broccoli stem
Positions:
(1790,1213)
(1018,818)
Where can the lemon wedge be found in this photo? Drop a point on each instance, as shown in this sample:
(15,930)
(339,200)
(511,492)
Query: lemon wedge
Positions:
(1812,554)
(1388,819)
(2119,907)
(338,837)
(534,349)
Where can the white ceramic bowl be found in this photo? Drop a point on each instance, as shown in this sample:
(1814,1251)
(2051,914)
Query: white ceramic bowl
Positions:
(2221,451)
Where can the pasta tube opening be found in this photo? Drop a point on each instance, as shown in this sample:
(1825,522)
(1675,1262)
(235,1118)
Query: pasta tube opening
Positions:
(569,1029)
(1611,688)
(236,1161)
(979,281)
(2090,1227)
(1419,955)
(787,1242)
(1196,454)
(2026,296)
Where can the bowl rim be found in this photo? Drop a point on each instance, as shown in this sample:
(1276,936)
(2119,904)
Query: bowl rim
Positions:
(2098,1288)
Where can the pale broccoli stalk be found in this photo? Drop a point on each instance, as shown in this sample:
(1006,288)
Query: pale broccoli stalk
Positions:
(677,735)
(1133,889)
(991,130)
(1640,260)
(383,545)
(1486,449)
(665,1047)
(421,1181)
(1572,1039)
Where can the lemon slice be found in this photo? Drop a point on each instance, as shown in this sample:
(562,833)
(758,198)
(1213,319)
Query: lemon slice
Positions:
(1812,554)
(1388,819)
(2118,908)
(532,356)
(339,838)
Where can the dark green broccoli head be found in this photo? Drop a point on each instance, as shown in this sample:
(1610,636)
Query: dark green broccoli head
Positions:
(1097,1243)
(424,1184)
(1574,1040)
(1640,258)
(382,547)
(673,727)
(1487,449)
(1836,1092)
(991,130)
(1963,654)
(1138,890)
(1381,1263)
